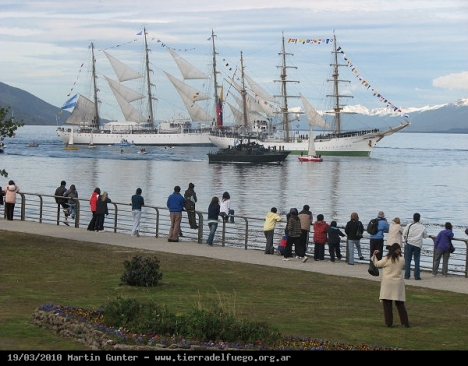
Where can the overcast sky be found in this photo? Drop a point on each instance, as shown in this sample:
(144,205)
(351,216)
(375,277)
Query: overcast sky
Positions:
(415,53)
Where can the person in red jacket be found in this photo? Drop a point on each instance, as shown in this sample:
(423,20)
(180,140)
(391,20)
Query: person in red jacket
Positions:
(93,205)
(320,238)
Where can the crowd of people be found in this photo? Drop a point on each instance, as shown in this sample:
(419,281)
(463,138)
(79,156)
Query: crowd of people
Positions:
(395,266)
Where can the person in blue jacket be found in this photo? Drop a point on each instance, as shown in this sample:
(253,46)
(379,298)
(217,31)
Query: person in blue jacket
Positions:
(442,249)
(175,203)
(377,240)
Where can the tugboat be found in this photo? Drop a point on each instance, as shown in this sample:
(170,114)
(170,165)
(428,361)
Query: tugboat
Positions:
(249,152)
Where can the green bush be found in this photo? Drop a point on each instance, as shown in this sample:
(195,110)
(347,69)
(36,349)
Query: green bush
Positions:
(139,318)
(142,272)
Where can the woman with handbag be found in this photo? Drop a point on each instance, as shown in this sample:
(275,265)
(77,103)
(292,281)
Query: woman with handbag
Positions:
(442,247)
(392,286)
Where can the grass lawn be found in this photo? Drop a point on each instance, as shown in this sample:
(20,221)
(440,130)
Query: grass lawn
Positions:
(36,270)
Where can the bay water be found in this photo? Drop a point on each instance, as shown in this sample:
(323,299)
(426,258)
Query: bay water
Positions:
(406,173)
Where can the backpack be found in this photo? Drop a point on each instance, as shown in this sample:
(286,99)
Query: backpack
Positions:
(373,226)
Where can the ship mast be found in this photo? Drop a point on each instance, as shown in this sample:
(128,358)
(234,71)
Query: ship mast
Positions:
(215,80)
(284,94)
(243,94)
(338,107)
(96,120)
(150,97)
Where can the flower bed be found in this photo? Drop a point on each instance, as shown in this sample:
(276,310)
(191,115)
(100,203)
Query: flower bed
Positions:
(84,327)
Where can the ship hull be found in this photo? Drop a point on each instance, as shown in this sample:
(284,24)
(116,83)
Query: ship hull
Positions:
(147,139)
(233,156)
(348,146)
(356,143)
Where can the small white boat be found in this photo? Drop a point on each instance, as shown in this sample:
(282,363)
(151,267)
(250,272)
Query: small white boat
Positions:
(91,142)
(142,151)
(70,144)
(314,119)
(124,143)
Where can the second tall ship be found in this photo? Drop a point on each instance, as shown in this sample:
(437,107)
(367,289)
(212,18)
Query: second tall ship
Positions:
(332,139)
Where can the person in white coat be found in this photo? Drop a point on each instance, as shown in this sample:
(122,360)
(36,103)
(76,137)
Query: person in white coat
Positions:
(395,231)
(392,286)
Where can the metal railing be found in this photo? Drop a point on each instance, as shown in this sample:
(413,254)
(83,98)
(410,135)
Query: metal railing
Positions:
(246,233)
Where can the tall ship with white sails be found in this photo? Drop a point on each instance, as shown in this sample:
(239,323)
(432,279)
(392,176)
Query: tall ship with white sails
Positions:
(332,140)
(139,128)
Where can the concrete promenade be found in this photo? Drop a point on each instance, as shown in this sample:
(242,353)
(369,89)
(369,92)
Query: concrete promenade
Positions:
(454,283)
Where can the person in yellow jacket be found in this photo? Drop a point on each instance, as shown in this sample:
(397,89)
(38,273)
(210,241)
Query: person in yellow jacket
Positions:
(271,219)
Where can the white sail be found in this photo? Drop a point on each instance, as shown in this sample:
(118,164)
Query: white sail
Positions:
(129,111)
(187,70)
(253,109)
(83,112)
(259,91)
(251,103)
(125,92)
(313,117)
(70,140)
(238,116)
(311,146)
(122,71)
(190,96)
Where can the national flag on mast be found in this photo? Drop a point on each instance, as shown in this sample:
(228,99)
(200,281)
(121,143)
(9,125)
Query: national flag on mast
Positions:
(219,109)
(71,102)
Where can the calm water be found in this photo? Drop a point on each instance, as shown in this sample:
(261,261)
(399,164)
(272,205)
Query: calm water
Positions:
(406,173)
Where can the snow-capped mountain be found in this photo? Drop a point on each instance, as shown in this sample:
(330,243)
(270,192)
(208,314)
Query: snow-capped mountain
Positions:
(447,118)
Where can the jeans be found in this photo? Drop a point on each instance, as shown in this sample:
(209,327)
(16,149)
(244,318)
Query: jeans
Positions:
(351,244)
(72,210)
(410,251)
(136,221)
(213,226)
(229,217)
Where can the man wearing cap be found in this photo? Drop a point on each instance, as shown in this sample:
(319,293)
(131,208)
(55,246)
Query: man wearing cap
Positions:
(377,240)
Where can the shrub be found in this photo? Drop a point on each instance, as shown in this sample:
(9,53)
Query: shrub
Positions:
(142,272)
(199,324)
(139,317)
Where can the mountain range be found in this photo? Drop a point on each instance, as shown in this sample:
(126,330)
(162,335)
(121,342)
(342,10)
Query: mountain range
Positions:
(445,118)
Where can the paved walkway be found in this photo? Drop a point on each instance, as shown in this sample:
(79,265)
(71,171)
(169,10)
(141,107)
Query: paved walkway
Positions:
(454,283)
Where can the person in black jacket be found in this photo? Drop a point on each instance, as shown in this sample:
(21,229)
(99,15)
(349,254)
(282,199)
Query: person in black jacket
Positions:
(190,200)
(334,238)
(59,192)
(354,230)
(101,211)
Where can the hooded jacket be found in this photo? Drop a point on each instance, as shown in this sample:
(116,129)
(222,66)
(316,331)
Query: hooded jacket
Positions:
(443,240)
(10,193)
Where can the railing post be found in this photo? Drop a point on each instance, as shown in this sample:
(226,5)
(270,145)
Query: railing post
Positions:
(23,207)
